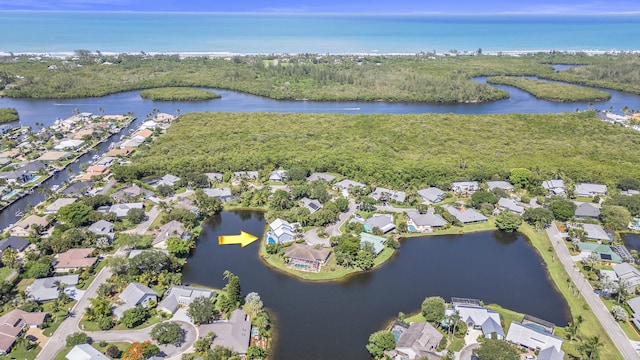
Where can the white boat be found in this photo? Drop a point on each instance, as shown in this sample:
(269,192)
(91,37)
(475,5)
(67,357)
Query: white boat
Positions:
(55,187)
(18,213)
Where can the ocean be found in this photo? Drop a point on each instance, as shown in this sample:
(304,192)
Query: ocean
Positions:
(60,33)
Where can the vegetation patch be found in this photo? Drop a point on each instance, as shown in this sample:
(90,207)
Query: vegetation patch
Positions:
(178,94)
(398,151)
(8,115)
(552,91)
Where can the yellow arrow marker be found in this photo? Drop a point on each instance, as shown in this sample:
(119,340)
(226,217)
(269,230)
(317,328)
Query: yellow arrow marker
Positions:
(243,239)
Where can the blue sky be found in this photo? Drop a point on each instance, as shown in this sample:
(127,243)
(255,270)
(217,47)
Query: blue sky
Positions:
(336,6)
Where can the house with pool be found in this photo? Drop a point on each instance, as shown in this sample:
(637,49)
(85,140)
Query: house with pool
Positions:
(417,222)
(280,232)
(306,258)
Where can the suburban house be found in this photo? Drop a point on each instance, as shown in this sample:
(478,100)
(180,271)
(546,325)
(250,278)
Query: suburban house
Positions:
(281,232)
(376,241)
(432,194)
(74,259)
(634,305)
(604,252)
(417,222)
(345,184)
(382,194)
(187,204)
(12,324)
(496,184)
(555,187)
(133,142)
(173,228)
(85,352)
(312,205)
(477,317)
(535,334)
(55,206)
(215,177)
(45,289)
(17,243)
(625,273)
(135,294)
(102,228)
(278,175)
(586,210)
(24,227)
(418,341)
(68,144)
(95,171)
(135,252)
(510,205)
(460,187)
(224,194)
(24,173)
(131,192)
(629,192)
(321,176)
(384,222)
(249,175)
(122,210)
(466,216)
(168,180)
(593,231)
(177,296)
(53,156)
(306,258)
(590,190)
(234,333)
(79,188)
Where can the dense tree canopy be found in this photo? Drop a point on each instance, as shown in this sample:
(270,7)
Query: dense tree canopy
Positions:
(433,309)
(492,349)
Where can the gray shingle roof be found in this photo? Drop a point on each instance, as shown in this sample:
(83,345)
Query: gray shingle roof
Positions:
(234,333)
(504,185)
(321,176)
(433,220)
(135,292)
(17,243)
(466,216)
(587,210)
(432,194)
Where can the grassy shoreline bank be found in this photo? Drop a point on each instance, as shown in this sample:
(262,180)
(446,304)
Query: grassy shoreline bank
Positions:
(178,94)
(551,91)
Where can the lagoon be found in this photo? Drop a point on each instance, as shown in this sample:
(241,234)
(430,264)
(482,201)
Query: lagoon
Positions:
(332,320)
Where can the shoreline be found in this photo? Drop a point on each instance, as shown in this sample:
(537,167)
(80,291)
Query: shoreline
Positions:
(196,54)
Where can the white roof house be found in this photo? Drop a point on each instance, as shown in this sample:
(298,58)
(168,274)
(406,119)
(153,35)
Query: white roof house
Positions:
(278,175)
(121,210)
(555,187)
(59,203)
(223,194)
(321,176)
(384,222)
(68,144)
(464,186)
(389,195)
(281,231)
(233,333)
(424,222)
(44,289)
(182,296)
(479,317)
(510,205)
(346,184)
(532,337)
(432,194)
(85,352)
(312,205)
(497,184)
(595,232)
(588,189)
(466,216)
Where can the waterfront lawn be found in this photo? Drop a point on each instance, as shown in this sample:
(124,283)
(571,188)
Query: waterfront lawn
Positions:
(330,271)
(552,91)
(591,326)
(8,115)
(178,94)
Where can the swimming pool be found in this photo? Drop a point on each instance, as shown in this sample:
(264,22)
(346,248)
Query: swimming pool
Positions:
(412,228)
(270,240)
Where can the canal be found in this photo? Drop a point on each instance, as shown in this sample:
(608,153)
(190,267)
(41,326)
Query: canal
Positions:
(332,320)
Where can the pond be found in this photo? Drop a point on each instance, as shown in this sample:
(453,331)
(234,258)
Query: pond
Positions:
(333,320)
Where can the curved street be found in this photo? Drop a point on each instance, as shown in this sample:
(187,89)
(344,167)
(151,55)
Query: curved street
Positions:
(621,341)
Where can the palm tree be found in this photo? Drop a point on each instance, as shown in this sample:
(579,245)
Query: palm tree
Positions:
(622,290)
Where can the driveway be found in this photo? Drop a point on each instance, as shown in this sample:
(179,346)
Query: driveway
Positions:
(143,227)
(312,238)
(190,335)
(626,347)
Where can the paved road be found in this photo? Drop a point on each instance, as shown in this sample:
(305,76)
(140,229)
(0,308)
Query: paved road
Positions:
(70,324)
(143,227)
(190,335)
(624,345)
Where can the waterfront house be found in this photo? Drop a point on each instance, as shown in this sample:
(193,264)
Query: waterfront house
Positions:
(16,243)
(68,144)
(45,289)
(178,295)
(593,232)
(234,333)
(382,194)
(25,173)
(102,228)
(604,252)
(625,273)
(135,294)
(224,194)
(590,190)
(376,241)
(278,175)
(510,205)
(497,184)
(171,229)
(418,222)
(306,258)
(312,205)
(586,210)
(121,152)
(465,187)
(432,194)
(281,232)
(145,133)
(95,171)
(12,325)
(555,187)
(85,352)
(80,188)
(321,176)
(121,210)
(535,334)
(132,142)
(135,252)
(419,341)
(53,156)
(74,259)
(477,317)
(634,305)
(55,206)
(384,222)
(466,216)
(23,228)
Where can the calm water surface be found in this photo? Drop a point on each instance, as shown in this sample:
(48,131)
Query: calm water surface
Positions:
(333,320)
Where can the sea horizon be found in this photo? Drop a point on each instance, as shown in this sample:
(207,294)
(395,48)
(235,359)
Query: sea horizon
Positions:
(60,33)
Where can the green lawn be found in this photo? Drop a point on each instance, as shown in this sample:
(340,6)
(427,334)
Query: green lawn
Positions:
(456,344)
(84,284)
(5,272)
(21,353)
(577,305)
(93,326)
(61,355)
(57,320)
(123,346)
